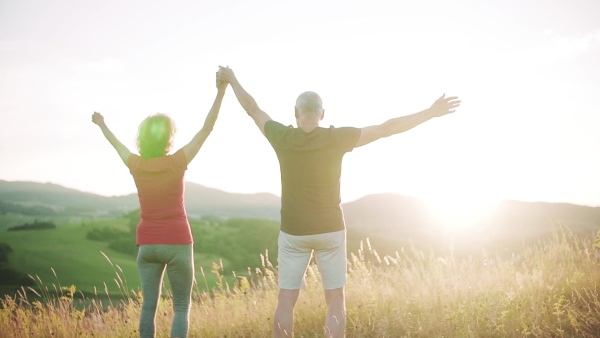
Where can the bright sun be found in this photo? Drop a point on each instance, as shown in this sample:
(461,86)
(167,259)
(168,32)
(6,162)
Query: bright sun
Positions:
(459,212)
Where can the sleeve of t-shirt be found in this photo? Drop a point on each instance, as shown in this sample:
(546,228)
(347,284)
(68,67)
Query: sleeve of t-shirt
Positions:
(274,131)
(179,161)
(176,162)
(132,162)
(347,137)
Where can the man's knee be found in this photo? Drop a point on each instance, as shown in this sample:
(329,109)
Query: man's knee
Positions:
(288,296)
(335,295)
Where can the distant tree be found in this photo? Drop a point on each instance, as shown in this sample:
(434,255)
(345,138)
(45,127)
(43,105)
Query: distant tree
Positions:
(5,249)
(124,245)
(10,276)
(13,277)
(33,226)
(106,233)
(240,241)
(253,238)
(119,240)
(134,220)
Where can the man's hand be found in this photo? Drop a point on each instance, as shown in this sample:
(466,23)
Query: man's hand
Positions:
(444,105)
(226,74)
(97,118)
(246,100)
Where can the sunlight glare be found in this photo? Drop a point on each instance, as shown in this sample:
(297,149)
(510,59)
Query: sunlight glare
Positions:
(460,212)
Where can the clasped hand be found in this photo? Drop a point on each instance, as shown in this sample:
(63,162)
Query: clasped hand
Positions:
(225,74)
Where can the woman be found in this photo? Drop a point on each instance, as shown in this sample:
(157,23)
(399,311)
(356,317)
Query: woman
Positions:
(163,234)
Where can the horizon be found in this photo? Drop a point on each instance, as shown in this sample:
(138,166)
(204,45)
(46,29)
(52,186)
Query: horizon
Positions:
(428,199)
(528,78)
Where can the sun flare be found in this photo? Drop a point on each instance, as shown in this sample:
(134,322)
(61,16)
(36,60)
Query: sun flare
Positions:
(459,212)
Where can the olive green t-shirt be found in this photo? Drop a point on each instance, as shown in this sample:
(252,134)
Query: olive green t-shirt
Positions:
(311,166)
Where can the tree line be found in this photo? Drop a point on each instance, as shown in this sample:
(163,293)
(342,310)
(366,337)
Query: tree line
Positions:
(36,225)
(35,210)
(9,276)
(240,241)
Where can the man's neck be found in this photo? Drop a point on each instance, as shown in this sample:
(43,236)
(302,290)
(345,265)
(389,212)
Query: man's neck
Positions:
(308,126)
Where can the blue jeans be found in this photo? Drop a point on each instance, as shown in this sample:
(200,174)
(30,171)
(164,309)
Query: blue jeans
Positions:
(178,260)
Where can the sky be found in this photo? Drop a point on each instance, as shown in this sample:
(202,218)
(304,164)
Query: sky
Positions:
(527,72)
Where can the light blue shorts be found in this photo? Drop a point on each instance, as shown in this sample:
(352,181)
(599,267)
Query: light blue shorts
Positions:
(294,255)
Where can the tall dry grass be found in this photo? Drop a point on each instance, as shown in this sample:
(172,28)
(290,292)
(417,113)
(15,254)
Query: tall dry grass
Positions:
(547,290)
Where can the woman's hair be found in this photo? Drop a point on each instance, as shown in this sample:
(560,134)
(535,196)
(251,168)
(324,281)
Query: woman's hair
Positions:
(155,136)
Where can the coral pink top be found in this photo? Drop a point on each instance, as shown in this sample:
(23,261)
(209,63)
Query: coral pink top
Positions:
(160,186)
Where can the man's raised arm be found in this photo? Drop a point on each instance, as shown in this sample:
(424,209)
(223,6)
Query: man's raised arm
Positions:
(246,100)
(442,106)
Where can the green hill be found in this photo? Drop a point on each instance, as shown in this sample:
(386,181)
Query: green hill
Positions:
(47,199)
(237,228)
(22,202)
(509,225)
(64,256)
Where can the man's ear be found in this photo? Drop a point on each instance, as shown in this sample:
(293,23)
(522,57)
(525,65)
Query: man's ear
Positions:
(296,112)
(322,115)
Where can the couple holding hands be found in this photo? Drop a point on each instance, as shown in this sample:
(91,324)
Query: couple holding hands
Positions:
(312,222)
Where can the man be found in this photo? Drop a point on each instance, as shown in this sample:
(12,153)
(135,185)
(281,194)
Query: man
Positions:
(310,160)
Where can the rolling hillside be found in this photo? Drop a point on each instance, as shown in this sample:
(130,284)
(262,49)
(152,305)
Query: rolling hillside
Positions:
(385,218)
(47,199)
(510,224)
(51,199)
(391,222)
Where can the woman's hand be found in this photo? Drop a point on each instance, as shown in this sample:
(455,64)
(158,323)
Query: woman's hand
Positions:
(221,83)
(226,74)
(97,118)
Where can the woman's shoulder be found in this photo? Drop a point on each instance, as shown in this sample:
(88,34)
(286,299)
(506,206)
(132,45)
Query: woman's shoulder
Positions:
(176,161)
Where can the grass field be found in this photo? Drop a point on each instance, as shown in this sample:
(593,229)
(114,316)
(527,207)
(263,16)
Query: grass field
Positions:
(551,289)
(63,256)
